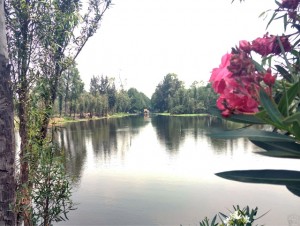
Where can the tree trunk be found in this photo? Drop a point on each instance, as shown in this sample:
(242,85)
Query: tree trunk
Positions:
(7,138)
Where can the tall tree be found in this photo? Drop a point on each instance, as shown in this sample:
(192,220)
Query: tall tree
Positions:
(164,91)
(42,44)
(7,139)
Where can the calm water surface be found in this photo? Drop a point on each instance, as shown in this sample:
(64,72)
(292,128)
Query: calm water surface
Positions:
(161,171)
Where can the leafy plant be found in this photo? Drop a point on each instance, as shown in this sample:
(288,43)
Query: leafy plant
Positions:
(237,217)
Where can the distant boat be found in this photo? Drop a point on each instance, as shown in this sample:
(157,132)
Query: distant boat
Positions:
(146,112)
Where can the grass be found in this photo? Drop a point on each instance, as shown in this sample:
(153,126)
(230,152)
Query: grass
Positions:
(63,120)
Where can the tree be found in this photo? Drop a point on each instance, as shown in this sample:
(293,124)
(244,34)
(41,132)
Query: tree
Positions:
(122,101)
(42,44)
(76,88)
(164,91)
(138,101)
(7,139)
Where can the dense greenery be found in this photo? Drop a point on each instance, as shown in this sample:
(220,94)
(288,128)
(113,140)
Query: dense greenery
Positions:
(105,98)
(44,38)
(102,99)
(171,96)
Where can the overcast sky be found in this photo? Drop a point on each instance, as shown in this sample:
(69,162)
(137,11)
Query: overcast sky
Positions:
(140,41)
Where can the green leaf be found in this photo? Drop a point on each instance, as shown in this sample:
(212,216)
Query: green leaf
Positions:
(279,148)
(240,118)
(267,176)
(284,73)
(292,147)
(288,98)
(293,118)
(253,135)
(271,109)
(272,18)
(258,67)
(285,21)
(279,154)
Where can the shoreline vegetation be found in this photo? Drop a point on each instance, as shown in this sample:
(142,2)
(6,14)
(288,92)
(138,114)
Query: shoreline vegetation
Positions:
(56,120)
(66,119)
(62,120)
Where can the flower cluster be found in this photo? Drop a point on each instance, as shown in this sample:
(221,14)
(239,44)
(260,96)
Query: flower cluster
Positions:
(238,81)
(268,44)
(237,218)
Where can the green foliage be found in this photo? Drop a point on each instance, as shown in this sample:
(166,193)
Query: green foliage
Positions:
(42,45)
(138,101)
(205,222)
(239,217)
(179,100)
(51,193)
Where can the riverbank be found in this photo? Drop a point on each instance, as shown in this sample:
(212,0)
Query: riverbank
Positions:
(63,120)
(181,115)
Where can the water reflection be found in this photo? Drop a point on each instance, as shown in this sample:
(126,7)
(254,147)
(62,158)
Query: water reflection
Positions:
(161,171)
(106,136)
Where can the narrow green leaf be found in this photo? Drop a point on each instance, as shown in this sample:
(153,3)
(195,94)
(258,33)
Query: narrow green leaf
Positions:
(213,222)
(279,154)
(285,21)
(258,66)
(282,146)
(284,73)
(278,177)
(293,118)
(253,134)
(241,118)
(288,98)
(271,109)
(272,18)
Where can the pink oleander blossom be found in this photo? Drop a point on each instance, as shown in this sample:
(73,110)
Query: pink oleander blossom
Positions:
(290,4)
(269,44)
(269,79)
(220,75)
(238,90)
(245,46)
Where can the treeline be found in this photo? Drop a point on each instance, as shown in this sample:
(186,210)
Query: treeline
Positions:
(102,99)
(171,96)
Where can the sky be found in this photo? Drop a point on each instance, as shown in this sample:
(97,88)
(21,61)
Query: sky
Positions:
(141,41)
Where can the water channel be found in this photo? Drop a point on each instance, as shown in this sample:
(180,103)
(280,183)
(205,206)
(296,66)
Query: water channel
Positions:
(161,171)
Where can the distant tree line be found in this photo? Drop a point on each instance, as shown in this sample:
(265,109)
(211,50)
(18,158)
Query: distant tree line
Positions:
(171,96)
(102,99)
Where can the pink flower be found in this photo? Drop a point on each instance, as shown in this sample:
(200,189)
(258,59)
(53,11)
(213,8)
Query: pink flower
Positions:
(245,46)
(237,83)
(269,44)
(221,74)
(290,4)
(268,78)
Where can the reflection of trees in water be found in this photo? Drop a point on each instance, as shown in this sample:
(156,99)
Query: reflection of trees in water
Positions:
(112,135)
(107,137)
(171,131)
(221,146)
(72,140)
